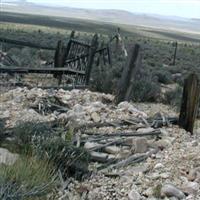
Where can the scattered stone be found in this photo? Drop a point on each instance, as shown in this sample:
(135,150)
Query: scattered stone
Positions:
(180,150)
(170,190)
(134,195)
(90,145)
(125,106)
(163,143)
(194,174)
(95,117)
(190,188)
(194,143)
(112,150)
(159,166)
(145,130)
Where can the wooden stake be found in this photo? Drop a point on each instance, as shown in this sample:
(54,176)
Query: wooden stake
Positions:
(92,51)
(175,52)
(190,103)
(126,82)
(59,59)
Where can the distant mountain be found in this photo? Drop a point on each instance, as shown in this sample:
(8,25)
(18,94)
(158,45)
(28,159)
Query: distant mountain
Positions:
(114,16)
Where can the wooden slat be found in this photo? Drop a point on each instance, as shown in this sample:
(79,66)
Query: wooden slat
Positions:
(24,70)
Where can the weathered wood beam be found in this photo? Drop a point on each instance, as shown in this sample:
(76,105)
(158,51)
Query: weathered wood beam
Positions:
(175,52)
(92,52)
(126,82)
(190,103)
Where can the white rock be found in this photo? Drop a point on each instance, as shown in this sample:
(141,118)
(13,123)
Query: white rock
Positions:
(90,145)
(191,188)
(145,130)
(134,195)
(95,117)
(148,192)
(170,190)
(194,143)
(7,158)
(78,108)
(165,175)
(159,166)
(125,106)
(112,149)
(194,174)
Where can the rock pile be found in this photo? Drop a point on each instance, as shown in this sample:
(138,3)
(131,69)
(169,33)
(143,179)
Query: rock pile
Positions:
(133,159)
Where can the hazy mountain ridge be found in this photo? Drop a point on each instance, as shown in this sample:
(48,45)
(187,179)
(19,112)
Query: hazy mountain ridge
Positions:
(114,16)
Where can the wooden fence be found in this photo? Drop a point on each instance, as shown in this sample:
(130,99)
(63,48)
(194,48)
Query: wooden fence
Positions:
(75,60)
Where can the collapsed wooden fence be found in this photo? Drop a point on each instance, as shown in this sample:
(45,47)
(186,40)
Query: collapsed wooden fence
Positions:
(74,59)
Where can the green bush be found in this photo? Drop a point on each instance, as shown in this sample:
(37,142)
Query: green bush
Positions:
(145,90)
(163,76)
(29,133)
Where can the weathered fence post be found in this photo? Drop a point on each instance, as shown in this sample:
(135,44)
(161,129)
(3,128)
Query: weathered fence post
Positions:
(175,44)
(190,103)
(72,35)
(67,50)
(109,54)
(126,82)
(59,60)
(92,51)
(61,55)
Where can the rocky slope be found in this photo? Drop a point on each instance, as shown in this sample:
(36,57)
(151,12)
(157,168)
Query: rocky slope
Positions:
(170,170)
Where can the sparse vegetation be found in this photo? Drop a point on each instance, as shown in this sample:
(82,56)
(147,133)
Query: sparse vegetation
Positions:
(47,149)
(28,179)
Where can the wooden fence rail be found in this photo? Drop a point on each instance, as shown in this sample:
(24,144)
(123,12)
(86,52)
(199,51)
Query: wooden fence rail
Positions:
(46,70)
(26,44)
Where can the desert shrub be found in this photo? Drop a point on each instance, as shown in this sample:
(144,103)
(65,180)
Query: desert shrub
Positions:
(145,90)
(42,141)
(29,178)
(70,160)
(163,76)
(28,133)
(173,97)
(104,79)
